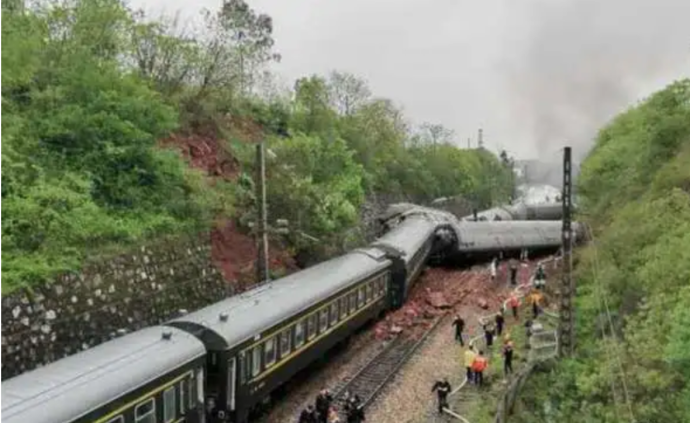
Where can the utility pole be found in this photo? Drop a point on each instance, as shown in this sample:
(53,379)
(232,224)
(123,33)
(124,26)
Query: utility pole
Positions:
(566,328)
(262,218)
(480,139)
(469,144)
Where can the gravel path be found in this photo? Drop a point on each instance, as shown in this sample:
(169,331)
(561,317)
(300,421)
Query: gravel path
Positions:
(408,399)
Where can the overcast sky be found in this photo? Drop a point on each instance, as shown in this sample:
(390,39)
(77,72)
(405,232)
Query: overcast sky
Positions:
(531,73)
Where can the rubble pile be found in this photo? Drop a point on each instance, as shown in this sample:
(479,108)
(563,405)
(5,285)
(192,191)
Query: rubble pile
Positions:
(439,291)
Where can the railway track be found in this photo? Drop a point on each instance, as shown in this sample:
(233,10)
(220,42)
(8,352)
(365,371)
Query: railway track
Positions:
(375,375)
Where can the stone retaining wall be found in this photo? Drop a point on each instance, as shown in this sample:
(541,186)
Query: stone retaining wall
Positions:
(107,299)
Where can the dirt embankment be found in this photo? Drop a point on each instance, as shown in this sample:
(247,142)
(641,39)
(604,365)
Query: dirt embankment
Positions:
(233,250)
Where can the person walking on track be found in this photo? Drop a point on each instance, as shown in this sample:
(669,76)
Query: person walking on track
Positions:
(442,389)
(513,272)
(500,321)
(459,325)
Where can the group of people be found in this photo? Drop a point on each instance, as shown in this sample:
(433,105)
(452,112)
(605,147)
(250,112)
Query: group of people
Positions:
(512,268)
(476,363)
(326,412)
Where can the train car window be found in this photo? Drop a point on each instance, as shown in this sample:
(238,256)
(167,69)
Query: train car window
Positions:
(145,412)
(190,394)
(353,301)
(230,400)
(343,307)
(118,419)
(299,334)
(360,297)
(199,386)
(324,319)
(245,366)
(311,326)
(256,360)
(285,342)
(334,313)
(370,291)
(183,391)
(270,351)
(169,406)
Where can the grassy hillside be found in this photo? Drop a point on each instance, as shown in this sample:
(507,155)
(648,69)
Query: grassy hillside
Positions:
(633,319)
(91,91)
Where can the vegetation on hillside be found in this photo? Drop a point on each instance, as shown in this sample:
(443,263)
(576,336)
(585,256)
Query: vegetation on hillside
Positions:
(633,319)
(89,88)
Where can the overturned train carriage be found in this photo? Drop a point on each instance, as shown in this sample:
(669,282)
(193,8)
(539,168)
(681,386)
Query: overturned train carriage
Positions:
(484,240)
(520,211)
(153,375)
(258,340)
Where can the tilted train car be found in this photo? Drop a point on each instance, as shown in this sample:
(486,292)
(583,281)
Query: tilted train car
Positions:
(258,340)
(414,239)
(152,375)
(484,240)
(519,211)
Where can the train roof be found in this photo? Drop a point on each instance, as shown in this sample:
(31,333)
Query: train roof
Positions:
(409,235)
(74,386)
(241,317)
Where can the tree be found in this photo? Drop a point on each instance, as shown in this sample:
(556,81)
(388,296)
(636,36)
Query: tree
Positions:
(312,112)
(164,53)
(238,41)
(347,93)
(435,134)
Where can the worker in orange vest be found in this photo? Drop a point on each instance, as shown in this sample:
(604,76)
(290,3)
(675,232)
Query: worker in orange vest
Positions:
(535,299)
(478,366)
(469,361)
(514,303)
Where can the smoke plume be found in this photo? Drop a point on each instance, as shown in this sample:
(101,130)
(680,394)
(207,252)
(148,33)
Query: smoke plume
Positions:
(587,60)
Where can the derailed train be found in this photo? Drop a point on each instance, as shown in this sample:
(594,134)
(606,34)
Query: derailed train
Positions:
(520,211)
(218,363)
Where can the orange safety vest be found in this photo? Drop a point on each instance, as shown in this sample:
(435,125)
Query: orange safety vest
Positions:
(479,364)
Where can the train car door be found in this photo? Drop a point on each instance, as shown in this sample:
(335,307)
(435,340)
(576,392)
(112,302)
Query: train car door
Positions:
(232,384)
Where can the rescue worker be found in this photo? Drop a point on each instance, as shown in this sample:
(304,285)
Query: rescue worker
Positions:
(489,333)
(323,403)
(469,359)
(508,356)
(355,410)
(500,320)
(513,272)
(540,277)
(308,415)
(535,299)
(514,303)
(442,389)
(478,366)
(459,324)
(492,268)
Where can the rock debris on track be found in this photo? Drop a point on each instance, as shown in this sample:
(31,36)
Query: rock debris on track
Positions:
(408,396)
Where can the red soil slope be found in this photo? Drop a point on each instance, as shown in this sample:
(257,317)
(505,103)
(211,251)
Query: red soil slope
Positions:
(232,250)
